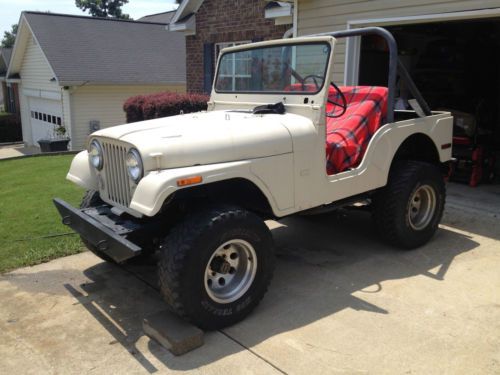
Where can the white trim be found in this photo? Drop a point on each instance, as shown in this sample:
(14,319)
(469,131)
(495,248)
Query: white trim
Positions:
(180,13)
(67,122)
(353,46)
(426,18)
(188,27)
(44,94)
(352,55)
(22,21)
(283,10)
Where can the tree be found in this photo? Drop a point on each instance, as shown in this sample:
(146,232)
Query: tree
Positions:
(103,8)
(9,37)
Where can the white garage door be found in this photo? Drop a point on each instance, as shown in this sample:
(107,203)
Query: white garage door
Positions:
(45,115)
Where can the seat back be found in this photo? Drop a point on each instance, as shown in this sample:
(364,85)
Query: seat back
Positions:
(348,136)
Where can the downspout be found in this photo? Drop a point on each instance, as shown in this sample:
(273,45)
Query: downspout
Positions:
(288,33)
(292,32)
(295,17)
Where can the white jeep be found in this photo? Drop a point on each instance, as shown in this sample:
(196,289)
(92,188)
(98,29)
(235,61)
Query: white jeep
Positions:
(197,187)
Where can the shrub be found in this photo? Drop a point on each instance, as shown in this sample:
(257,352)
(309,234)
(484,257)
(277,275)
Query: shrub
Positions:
(10,128)
(147,107)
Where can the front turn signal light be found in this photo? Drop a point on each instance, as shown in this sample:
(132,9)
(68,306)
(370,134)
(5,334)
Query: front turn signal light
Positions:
(189,181)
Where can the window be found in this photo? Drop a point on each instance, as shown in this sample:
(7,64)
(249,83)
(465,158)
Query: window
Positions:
(56,120)
(236,69)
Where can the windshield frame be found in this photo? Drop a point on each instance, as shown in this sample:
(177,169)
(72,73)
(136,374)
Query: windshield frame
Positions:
(248,47)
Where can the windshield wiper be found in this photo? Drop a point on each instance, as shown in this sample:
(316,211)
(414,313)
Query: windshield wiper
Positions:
(277,108)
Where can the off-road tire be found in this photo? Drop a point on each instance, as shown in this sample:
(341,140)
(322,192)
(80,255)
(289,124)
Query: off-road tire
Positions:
(391,204)
(92,199)
(185,254)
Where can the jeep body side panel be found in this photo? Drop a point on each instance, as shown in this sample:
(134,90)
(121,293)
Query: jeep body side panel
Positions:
(373,171)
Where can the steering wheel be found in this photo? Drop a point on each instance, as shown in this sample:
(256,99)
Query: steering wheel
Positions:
(315,80)
(342,105)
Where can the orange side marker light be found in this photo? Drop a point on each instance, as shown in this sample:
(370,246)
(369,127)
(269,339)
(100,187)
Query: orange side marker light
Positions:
(189,181)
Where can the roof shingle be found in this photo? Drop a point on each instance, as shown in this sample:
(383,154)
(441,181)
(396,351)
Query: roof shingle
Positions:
(103,50)
(164,17)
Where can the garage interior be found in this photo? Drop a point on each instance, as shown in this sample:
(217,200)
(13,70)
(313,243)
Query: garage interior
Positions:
(456,66)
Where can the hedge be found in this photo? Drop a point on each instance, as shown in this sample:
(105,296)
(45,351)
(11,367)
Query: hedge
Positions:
(10,129)
(147,107)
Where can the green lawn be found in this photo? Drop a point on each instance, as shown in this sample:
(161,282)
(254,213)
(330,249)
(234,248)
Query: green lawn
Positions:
(27,213)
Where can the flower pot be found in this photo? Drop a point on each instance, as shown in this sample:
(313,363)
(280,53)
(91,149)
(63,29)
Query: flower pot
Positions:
(53,145)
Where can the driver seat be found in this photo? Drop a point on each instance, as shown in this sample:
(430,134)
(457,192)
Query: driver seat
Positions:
(347,136)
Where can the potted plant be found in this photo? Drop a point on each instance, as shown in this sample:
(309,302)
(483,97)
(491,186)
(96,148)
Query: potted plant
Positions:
(58,142)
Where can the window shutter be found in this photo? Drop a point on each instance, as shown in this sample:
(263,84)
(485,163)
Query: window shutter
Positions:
(208,67)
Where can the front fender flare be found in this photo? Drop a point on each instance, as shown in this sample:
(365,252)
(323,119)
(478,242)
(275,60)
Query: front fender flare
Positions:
(155,187)
(81,173)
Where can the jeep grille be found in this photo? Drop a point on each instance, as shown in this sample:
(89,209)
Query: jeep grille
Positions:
(117,184)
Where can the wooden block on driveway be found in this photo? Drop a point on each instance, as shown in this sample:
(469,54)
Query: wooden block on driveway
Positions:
(173,333)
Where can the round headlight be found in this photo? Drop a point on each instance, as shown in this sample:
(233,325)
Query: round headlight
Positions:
(134,165)
(96,155)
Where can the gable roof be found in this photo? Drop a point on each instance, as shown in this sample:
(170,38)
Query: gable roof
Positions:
(184,18)
(82,49)
(5,54)
(164,17)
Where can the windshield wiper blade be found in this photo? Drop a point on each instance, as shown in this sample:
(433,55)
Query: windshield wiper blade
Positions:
(277,108)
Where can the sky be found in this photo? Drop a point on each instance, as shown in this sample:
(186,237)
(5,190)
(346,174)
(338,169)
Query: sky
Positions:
(10,10)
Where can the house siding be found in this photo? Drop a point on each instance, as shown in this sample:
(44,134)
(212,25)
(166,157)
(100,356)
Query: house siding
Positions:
(226,21)
(104,104)
(315,16)
(35,71)
(36,75)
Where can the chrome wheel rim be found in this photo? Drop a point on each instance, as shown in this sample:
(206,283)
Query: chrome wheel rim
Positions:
(230,271)
(421,207)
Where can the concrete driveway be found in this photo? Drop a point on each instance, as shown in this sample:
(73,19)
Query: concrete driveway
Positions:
(17,150)
(340,302)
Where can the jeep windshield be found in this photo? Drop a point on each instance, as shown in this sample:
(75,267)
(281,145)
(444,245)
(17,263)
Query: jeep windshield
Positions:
(287,68)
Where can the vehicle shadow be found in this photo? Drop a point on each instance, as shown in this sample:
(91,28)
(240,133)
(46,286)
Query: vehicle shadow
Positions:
(322,262)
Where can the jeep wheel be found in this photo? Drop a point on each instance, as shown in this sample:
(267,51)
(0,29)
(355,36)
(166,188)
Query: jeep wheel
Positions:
(92,199)
(216,266)
(408,210)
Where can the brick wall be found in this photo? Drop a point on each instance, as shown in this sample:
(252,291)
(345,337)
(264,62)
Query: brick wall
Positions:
(220,21)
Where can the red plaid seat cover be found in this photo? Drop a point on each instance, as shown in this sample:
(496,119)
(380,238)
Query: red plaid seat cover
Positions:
(348,135)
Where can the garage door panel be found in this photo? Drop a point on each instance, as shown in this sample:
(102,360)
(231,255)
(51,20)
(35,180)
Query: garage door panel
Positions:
(45,116)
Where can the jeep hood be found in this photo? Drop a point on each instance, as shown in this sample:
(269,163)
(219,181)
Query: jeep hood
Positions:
(204,138)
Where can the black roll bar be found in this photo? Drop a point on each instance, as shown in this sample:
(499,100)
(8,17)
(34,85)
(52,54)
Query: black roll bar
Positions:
(394,66)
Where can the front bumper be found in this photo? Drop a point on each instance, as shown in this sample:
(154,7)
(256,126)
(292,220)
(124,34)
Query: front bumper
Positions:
(98,226)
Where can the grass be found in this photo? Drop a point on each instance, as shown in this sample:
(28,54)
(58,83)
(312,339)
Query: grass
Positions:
(27,213)
(2,113)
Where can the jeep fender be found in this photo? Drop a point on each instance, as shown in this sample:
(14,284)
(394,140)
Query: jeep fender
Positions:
(81,173)
(271,175)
